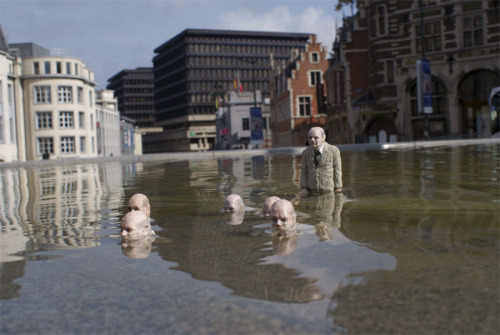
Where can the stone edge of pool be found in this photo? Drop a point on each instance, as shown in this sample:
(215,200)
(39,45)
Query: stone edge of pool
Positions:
(179,156)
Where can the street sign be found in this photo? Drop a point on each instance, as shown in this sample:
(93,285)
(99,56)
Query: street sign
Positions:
(424,86)
(256,136)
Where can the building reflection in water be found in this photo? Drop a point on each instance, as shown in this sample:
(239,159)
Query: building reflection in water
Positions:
(56,207)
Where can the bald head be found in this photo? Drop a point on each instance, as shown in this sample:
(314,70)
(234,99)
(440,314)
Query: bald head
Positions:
(233,203)
(135,224)
(139,202)
(283,215)
(266,209)
(316,137)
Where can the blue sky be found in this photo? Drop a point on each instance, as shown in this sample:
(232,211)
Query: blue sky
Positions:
(112,35)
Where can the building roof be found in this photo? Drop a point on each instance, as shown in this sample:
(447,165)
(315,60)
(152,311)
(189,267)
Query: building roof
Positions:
(232,33)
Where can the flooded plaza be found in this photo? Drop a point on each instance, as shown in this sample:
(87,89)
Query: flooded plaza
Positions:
(410,247)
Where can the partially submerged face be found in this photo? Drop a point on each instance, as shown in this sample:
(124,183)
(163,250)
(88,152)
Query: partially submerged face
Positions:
(283,215)
(233,203)
(266,209)
(135,224)
(139,202)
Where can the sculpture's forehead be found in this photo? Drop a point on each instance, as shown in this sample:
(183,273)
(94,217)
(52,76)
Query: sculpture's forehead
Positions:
(135,218)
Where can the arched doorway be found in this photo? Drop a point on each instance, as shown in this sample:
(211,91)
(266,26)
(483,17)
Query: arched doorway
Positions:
(381,129)
(473,94)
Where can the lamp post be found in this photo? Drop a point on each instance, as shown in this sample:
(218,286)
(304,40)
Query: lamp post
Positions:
(422,32)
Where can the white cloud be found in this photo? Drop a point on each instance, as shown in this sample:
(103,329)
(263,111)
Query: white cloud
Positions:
(280,19)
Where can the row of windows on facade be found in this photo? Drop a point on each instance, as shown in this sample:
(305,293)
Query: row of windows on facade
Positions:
(138,91)
(10,114)
(60,68)
(43,95)
(240,62)
(257,47)
(472,32)
(140,99)
(67,145)
(226,74)
(66,120)
(140,83)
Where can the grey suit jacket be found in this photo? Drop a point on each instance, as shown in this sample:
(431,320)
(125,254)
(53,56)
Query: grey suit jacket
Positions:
(327,176)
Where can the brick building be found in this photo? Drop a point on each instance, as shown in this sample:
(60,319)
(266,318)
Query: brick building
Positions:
(373,77)
(298,95)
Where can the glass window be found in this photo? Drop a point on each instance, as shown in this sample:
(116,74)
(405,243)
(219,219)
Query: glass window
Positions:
(82,144)
(81,120)
(390,71)
(381,20)
(42,95)
(245,123)
(314,57)
(65,94)
(36,68)
(58,67)
(432,36)
(315,77)
(47,68)
(43,120)
(79,95)
(304,104)
(67,144)
(66,119)
(45,145)
(68,68)
(472,31)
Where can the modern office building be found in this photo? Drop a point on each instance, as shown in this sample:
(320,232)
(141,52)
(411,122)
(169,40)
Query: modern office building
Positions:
(372,82)
(134,90)
(59,103)
(298,95)
(197,65)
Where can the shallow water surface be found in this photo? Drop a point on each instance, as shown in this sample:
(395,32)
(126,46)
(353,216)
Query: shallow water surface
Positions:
(412,246)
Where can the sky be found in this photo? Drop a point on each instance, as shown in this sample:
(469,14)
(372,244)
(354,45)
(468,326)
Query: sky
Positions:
(113,35)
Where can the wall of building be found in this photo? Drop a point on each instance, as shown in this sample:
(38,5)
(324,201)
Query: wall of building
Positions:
(59,107)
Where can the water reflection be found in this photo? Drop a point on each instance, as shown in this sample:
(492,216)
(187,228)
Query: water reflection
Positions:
(415,232)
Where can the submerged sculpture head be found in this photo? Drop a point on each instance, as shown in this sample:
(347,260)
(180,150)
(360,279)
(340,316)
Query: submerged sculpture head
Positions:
(266,209)
(233,203)
(283,215)
(139,202)
(135,224)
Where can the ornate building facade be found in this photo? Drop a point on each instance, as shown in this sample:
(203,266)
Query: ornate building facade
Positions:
(298,94)
(372,80)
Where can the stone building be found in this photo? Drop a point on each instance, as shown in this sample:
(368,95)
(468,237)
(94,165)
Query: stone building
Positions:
(59,103)
(298,94)
(372,79)
(197,65)
(108,124)
(10,106)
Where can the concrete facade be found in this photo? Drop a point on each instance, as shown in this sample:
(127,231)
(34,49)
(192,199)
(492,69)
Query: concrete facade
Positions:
(59,104)
(108,124)
(195,66)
